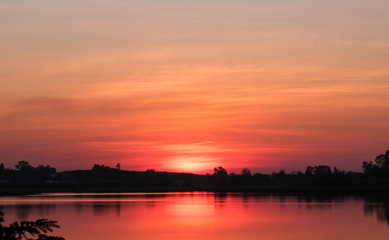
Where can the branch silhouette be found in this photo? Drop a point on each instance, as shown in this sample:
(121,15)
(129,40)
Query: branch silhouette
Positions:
(28,230)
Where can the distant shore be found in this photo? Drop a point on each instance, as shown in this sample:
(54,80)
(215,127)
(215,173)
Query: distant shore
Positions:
(26,179)
(357,190)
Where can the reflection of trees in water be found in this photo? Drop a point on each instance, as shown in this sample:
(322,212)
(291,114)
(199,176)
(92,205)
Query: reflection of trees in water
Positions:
(23,211)
(150,205)
(118,208)
(379,208)
(46,209)
(307,201)
(318,202)
(245,200)
(100,209)
(321,198)
(78,207)
(220,199)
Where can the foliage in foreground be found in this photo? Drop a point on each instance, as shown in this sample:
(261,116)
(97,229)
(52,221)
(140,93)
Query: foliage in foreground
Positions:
(28,230)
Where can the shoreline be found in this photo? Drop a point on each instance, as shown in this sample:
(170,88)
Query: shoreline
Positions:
(283,190)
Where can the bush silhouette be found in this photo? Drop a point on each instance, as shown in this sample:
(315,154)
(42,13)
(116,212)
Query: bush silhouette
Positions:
(28,230)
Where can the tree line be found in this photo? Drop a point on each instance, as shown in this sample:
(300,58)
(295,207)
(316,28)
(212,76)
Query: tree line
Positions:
(374,172)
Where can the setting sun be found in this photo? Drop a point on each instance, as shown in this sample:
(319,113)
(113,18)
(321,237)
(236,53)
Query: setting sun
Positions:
(187,86)
(194,119)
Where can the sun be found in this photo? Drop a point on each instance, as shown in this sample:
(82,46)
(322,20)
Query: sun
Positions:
(191,164)
(199,157)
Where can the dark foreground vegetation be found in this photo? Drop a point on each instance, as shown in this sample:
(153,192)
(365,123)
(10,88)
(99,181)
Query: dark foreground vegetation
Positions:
(28,179)
(28,230)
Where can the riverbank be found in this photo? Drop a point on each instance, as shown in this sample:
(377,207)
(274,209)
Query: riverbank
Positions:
(358,190)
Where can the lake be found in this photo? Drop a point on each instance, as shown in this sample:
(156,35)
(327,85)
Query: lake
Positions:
(202,215)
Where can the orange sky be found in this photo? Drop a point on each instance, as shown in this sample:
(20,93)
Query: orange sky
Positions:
(189,85)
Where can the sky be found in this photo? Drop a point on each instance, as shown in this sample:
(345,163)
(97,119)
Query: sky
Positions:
(184,85)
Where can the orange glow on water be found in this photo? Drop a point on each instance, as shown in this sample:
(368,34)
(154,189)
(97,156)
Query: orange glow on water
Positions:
(199,215)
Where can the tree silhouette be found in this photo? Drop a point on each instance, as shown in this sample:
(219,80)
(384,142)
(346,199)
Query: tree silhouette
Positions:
(23,165)
(382,160)
(380,167)
(28,230)
(220,171)
(246,172)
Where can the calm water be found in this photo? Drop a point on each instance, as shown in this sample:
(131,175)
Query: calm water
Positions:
(203,216)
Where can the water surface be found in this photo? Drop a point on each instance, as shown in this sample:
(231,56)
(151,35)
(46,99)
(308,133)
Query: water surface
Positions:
(203,216)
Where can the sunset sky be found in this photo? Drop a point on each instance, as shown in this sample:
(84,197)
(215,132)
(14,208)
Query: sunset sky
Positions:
(187,85)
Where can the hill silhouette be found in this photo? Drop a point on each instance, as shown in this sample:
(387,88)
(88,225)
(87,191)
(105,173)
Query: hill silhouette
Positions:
(375,176)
